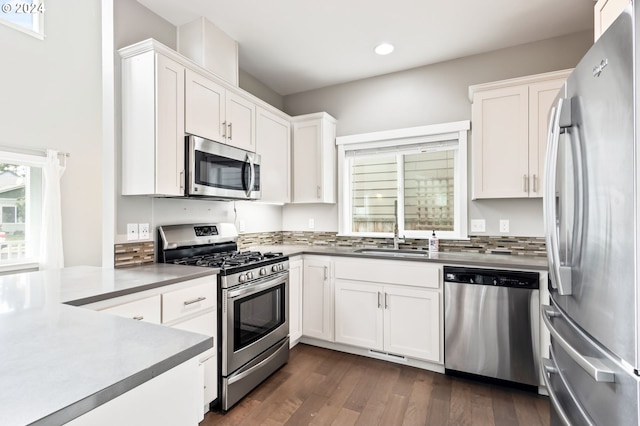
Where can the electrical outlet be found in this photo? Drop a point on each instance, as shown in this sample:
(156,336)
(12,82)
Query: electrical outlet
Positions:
(132,231)
(143,231)
(504,225)
(312,224)
(478,225)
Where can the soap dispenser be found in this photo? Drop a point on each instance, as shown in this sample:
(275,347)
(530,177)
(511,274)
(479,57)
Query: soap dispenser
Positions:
(433,242)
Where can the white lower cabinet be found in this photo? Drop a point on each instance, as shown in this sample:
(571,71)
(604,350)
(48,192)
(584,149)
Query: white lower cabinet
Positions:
(165,400)
(412,325)
(205,324)
(359,314)
(147,309)
(391,306)
(393,319)
(295,300)
(317,299)
(188,305)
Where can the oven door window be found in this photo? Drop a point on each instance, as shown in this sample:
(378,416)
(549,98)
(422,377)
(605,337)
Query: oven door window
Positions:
(223,172)
(257,315)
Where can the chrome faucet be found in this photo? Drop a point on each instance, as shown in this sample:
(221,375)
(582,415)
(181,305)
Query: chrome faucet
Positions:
(396,233)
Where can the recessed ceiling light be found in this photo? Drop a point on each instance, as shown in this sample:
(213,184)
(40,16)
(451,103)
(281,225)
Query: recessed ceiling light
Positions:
(384,49)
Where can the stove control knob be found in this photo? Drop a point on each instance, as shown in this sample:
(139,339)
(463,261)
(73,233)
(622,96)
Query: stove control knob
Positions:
(281,267)
(263,271)
(249,275)
(274,268)
(242,278)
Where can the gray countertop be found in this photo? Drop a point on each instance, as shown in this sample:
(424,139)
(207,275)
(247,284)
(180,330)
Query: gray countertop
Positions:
(58,362)
(81,285)
(446,258)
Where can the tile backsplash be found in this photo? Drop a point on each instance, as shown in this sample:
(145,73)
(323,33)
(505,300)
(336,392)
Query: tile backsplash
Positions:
(132,254)
(520,246)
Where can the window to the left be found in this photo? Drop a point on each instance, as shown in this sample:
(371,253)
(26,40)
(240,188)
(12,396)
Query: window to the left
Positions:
(21,206)
(24,15)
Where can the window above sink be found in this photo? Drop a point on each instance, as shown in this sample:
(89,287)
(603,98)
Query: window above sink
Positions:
(422,169)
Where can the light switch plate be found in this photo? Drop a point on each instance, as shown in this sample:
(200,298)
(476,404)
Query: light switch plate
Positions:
(312,224)
(132,231)
(478,225)
(504,225)
(143,231)
(242,225)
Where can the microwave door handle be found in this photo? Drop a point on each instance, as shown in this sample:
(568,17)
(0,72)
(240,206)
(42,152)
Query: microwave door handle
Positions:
(252,176)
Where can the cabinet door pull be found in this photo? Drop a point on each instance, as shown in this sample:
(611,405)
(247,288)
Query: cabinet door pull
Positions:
(230,130)
(386,300)
(138,318)
(318,191)
(379,302)
(535,183)
(526,183)
(325,273)
(192,301)
(224,129)
(182,179)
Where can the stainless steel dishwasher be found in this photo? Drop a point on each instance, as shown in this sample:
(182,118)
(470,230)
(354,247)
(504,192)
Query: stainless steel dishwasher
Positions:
(492,324)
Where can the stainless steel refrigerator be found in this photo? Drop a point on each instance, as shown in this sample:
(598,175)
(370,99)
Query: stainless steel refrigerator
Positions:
(592,216)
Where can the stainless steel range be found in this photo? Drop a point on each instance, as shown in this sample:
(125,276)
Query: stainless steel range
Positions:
(253,302)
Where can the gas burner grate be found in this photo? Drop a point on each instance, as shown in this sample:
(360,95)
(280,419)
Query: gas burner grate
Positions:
(227,260)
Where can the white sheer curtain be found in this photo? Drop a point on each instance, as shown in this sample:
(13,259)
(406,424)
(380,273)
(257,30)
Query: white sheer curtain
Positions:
(51,254)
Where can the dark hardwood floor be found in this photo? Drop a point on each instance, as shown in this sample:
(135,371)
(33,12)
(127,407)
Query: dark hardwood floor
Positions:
(323,387)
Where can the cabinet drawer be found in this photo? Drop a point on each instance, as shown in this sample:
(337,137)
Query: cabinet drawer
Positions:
(414,274)
(202,324)
(147,309)
(181,303)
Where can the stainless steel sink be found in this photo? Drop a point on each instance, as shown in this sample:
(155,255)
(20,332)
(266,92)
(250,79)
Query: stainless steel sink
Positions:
(393,252)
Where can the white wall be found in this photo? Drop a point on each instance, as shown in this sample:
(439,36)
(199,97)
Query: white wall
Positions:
(254,86)
(429,95)
(51,98)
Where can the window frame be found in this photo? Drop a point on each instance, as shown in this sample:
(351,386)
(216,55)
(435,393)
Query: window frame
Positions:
(433,135)
(32,224)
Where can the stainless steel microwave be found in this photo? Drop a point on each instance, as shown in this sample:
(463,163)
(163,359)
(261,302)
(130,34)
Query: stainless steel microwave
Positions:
(220,171)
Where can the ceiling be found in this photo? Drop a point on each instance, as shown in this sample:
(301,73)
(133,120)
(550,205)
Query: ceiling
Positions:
(298,45)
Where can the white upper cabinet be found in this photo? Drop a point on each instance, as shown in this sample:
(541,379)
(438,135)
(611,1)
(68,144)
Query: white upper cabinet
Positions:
(240,120)
(152,125)
(204,107)
(212,112)
(273,143)
(166,96)
(314,158)
(509,135)
(604,13)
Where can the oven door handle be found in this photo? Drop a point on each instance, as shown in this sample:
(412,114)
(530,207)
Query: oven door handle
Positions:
(258,286)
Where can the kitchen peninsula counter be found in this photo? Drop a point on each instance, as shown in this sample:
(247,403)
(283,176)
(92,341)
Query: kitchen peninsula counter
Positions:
(58,362)
(446,258)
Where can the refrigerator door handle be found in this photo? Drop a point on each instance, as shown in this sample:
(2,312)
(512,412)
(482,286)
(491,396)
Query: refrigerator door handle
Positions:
(560,274)
(594,367)
(550,368)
